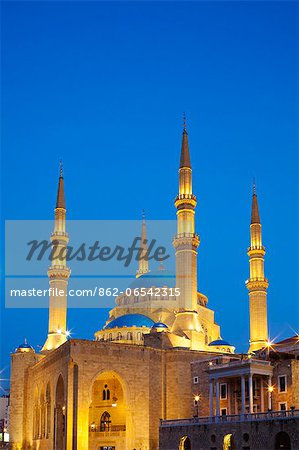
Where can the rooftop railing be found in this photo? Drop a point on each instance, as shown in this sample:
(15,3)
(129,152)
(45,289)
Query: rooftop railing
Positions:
(270,415)
(238,362)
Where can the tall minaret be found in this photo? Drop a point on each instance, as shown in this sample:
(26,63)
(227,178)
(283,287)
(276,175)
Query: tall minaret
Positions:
(58,274)
(257,284)
(143,267)
(186,243)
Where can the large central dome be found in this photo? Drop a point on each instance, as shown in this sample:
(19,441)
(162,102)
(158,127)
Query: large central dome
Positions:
(130,320)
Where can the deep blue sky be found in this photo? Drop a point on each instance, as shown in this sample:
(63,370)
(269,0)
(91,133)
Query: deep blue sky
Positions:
(104,85)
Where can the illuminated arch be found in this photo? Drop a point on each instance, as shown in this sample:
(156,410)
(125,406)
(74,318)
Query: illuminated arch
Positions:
(60,415)
(185,443)
(229,442)
(109,415)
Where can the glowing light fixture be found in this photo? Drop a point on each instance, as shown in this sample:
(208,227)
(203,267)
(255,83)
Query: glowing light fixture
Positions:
(114,398)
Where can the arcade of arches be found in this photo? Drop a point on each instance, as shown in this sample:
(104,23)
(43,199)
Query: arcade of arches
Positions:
(282,441)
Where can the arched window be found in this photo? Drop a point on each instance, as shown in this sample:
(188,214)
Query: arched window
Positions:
(129,336)
(48,410)
(42,406)
(36,416)
(283,441)
(185,443)
(139,336)
(229,442)
(110,337)
(105,423)
(106,393)
(59,415)
(119,336)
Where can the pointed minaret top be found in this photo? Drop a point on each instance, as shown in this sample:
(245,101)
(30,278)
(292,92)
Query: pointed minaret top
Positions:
(185,154)
(143,266)
(255,216)
(60,202)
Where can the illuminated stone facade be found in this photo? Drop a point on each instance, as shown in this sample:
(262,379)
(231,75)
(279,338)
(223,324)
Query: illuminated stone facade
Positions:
(113,391)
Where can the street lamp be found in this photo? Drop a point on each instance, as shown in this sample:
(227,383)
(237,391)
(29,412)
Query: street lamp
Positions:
(196,399)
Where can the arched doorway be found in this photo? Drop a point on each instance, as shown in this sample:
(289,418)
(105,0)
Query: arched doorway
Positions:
(105,422)
(229,442)
(282,441)
(59,416)
(108,411)
(185,443)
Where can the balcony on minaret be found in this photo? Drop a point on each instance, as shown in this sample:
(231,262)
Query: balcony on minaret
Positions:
(60,233)
(182,199)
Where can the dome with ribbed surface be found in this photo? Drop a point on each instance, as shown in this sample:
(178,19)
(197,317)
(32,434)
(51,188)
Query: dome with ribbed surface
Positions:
(130,320)
(219,342)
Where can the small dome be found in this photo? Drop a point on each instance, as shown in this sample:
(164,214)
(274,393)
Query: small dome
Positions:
(219,342)
(25,347)
(160,325)
(130,320)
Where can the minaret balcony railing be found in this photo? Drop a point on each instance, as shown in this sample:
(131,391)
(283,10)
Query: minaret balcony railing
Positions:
(256,247)
(59,267)
(60,233)
(185,199)
(184,235)
(256,279)
(183,196)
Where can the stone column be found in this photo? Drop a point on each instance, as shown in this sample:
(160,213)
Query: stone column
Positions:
(211,398)
(236,395)
(262,395)
(217,399)
(228,397)
(243,393)
(250,389)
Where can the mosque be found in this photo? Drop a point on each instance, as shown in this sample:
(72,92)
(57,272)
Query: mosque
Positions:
(111,393)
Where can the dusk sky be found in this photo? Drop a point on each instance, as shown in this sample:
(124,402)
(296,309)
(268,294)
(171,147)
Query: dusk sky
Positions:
(103,86)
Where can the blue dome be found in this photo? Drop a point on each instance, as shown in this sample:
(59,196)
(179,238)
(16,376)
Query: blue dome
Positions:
(159,325)
(130,320)
(24,346)
(157,278)
(219,342)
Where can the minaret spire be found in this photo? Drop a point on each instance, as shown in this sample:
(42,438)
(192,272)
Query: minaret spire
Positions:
(186,243)
(60,202)
(255,216)
(257,284)
(58,273)
(143,266)
(185,153)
